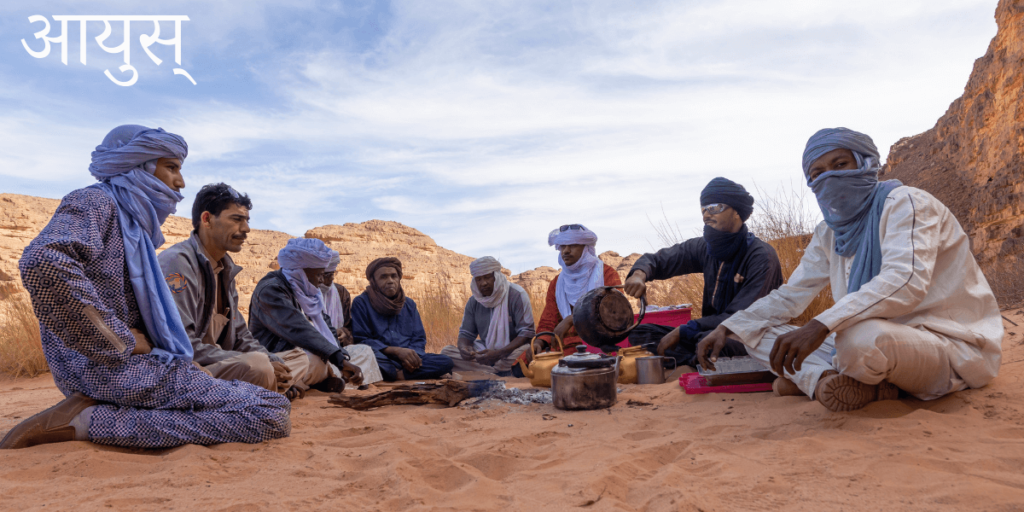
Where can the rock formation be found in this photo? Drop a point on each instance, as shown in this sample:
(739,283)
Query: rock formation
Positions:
(973,159)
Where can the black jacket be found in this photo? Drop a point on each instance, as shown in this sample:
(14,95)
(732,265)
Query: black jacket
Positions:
(756,275)
(277,321)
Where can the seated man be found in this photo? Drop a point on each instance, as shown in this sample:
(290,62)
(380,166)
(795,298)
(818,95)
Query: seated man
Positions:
(387,321)
(110,330)
(201,277)
(497,311)
(286,315)
(338,306)
(738,269)
(913,310)
(582,271)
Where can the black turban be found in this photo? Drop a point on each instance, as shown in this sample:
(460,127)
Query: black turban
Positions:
(721,190)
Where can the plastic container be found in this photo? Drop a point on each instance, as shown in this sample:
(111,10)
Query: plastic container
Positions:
(694,384)
(736,370)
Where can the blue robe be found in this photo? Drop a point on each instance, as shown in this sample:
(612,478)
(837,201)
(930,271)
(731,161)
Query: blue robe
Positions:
(75,269)
(404,330)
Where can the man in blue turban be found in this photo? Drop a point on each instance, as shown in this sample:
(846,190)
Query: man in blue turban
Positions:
(912,311)
(110,329)
(738,269)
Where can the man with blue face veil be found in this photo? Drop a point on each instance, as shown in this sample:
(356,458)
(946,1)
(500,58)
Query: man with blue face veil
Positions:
(111,332)
(913,311)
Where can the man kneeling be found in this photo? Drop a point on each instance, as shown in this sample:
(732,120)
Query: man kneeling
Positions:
(913,310)
(386,320)
(497,310)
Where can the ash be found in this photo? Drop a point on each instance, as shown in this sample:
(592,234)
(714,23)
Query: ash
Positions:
(511,396)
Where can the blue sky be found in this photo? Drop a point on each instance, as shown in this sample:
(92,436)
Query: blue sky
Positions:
(486,124)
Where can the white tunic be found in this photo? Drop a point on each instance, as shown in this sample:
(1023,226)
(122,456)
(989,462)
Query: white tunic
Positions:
(929,280)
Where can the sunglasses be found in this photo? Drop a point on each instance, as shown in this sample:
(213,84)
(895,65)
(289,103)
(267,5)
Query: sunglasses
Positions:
(713,208)
(234,193)
(566,227)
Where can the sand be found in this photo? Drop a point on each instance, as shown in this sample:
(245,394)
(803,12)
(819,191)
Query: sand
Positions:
(682,452)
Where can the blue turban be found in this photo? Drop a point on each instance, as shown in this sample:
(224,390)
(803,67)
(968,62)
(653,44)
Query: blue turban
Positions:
(721,190)
(300,253)
(124,164)
(851,201)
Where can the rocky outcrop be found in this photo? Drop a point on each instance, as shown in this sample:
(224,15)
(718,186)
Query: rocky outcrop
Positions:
(973,159)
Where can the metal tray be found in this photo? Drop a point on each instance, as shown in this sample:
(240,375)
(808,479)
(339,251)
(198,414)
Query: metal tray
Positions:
(731,371)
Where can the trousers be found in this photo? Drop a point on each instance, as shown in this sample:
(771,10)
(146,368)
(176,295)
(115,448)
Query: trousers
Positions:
(434,366)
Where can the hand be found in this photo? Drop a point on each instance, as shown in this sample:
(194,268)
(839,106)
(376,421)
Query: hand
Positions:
(467,352)
(408,357)
(668,341)
(489,357)
(563,327)
(351,373)
(636,285)
(714,342)
(142,345)
(792,348)
(282,374)
(345,337)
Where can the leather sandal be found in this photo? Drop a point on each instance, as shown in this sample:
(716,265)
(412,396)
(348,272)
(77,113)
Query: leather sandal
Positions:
(293,393)
(50,426)
(840,393)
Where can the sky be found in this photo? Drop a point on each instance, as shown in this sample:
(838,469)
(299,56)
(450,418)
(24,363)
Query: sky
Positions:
(485,124)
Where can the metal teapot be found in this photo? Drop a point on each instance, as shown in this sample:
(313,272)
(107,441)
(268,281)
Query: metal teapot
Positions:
(539,369)
(628,374)
(584,381)
(603,317)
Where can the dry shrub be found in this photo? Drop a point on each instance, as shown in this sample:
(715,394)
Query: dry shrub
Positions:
(441,312)
(782,219)
(21,349)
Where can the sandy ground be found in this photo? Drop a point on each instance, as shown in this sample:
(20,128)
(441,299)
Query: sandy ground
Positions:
(704,452)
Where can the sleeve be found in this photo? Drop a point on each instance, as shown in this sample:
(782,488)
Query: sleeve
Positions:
(763,275)
(65,300)
(909,249)
(418,342)
(362,325)
(523,314)
(611,276)
(279,315)
(680,259)
(468,330)
(788,301)
(550,317)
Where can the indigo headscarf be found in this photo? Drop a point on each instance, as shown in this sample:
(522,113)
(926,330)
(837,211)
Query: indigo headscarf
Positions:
(851,201)
(300,253)
(124,164)
(580,277)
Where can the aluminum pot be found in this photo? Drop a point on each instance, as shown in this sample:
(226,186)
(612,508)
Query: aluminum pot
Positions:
(651,370)
(585,381)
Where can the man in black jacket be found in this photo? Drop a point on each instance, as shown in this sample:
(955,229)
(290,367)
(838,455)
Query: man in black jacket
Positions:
(738,269)
(286,315)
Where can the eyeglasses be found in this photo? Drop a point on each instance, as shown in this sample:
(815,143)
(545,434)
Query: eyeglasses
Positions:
(566,227)
(234,193)
(713,208)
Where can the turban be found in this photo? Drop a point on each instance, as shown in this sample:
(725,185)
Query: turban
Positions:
(300,253)
(381,303)
(130,146)
(851,200)
(335,261)
(497,335)
(122,165)
(721,190)
(580,277)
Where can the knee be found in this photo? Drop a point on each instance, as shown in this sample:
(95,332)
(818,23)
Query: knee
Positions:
(259,371)
(278,422)
(445,364)
(858,345)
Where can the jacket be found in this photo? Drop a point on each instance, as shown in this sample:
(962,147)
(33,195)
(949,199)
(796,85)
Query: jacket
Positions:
(278,322)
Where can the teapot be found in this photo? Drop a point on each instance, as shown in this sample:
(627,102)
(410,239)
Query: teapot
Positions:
(602,317)
(628,374)
(539,369)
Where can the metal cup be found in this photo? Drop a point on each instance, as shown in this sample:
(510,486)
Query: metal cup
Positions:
(650,370)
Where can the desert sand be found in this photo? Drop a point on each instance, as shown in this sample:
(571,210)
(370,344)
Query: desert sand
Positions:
(681,452)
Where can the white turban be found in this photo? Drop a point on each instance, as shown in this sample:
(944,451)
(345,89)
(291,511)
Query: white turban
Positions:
(584,275)
(497,331)
(335,260)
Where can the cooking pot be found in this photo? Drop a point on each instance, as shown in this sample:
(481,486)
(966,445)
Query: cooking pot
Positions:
(604,317)
(584,381)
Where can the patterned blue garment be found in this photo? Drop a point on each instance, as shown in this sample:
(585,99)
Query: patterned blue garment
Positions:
(75,269)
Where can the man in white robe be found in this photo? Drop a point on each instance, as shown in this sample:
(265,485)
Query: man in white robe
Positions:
(338,306)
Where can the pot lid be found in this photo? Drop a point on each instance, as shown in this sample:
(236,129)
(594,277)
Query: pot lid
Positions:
(584,360)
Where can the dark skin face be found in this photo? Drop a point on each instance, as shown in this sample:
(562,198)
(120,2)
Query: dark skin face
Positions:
(485,284)
(388,281)
(328,278)
(572,253)
(727,221)
(314,275)
(168,170)
(225,232)
(835,160)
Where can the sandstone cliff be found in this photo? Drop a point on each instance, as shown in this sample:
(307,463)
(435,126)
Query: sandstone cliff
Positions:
(973,159)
